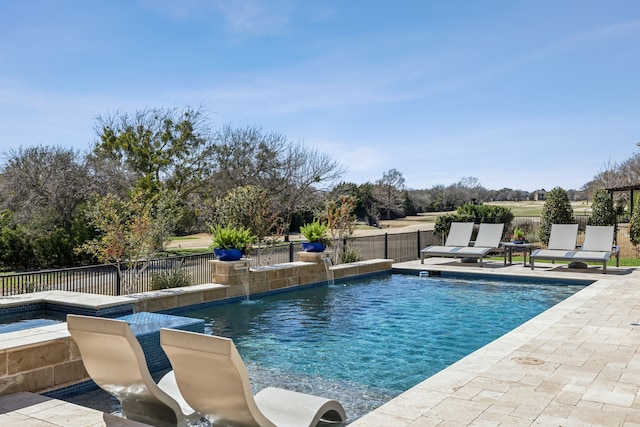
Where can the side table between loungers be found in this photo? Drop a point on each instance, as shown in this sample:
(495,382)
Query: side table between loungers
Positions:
(510,247)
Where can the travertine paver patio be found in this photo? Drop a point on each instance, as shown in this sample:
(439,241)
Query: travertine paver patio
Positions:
(577,364)
(32,410)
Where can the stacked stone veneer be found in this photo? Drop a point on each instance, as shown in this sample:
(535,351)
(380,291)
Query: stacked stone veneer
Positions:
(33,364)
(47,359)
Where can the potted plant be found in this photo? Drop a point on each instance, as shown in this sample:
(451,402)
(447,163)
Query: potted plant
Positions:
(518,236)
(317,235)
(230,243)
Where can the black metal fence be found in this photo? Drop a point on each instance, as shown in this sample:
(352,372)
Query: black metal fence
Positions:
(105,280)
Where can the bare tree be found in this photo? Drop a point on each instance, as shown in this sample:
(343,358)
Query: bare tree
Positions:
(290,173)
(388,193)
(248,156)
(45,184)
(304,171)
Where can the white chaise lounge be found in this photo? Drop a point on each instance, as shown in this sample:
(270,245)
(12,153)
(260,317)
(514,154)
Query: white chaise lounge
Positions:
(213,379)
(459,236)
(597,247)
(562,244)
(115,361)
(488,240)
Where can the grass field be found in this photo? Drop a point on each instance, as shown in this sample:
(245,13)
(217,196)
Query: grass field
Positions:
(535,208)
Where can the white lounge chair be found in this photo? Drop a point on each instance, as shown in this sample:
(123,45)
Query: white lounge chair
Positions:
(213,378)
(459,236)
(115,361)
(488,240)
(598,246)
(562,244)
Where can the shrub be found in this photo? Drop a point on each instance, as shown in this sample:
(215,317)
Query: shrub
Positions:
(471,212)
(174,278)
(349,254)
(603,212)
(634,226)
(231,238)
(484,213)
(443,223)
(518,234)
(556,210)
(316,231)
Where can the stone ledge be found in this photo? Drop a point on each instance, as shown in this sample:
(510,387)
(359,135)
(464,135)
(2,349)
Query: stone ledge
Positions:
(64,371)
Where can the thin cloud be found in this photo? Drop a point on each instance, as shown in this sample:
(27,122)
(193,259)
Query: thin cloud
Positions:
(256,17)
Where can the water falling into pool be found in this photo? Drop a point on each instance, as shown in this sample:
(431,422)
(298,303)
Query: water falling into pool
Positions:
(328,266)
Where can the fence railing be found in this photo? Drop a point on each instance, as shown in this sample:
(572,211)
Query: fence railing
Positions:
(104,279)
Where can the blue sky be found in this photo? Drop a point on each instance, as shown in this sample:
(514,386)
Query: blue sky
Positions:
(520,94)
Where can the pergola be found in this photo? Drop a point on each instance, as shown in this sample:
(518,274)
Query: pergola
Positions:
(628,188)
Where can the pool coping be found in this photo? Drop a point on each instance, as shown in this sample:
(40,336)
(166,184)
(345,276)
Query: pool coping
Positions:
(577,363)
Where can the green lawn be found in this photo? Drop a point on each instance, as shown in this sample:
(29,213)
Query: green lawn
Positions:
(535,208)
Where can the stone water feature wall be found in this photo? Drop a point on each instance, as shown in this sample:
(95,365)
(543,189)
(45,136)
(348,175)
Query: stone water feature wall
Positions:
(47,359)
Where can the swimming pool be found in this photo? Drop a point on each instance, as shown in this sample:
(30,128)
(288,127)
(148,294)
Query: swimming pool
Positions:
(375,337)
(364,342)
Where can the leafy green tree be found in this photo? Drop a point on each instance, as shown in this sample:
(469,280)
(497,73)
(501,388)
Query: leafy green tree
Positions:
(16,248)
(126,236)
(341,222)
(556,210)
(408,204)
(366,206)
(248,207)
(168,150)
(602,210)
(46,188)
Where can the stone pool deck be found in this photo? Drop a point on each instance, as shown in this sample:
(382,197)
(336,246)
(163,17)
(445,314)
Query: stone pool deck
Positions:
(577,364)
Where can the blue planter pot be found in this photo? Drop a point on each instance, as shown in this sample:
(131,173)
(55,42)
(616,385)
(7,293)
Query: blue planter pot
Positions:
(313,246)
(227,254)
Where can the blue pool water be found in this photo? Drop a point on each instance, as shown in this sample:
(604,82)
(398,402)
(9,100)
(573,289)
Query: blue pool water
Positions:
(28,320)
(364,342)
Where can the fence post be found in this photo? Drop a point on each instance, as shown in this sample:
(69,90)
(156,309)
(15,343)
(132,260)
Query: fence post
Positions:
(419,246)
(117,280)
(386,245)
(290,251)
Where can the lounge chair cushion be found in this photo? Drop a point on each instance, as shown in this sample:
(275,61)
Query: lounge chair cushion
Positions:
(563,237)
